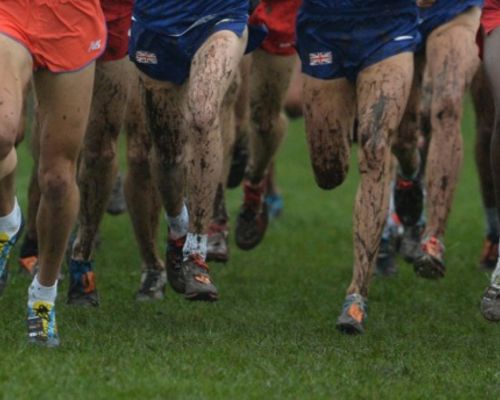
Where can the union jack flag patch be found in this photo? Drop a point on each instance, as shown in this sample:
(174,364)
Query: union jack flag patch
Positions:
(321,58)
(146,57)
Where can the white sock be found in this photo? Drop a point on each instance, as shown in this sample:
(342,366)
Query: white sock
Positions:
(37,291)
(178,225)
(195,244)
(10,223)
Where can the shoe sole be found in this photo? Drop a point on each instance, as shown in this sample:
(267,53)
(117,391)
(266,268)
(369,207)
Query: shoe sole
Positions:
(144,298)
(218,258)
(429,268)
(51,343)
(208,296)
(349,326)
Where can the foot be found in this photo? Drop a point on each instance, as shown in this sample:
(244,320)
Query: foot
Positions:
(489,255)
(408,200)
(490,303)
(429,263)
(217,243)
(275,205)
(6,246)
(153,282)
(410,242)
(82,290)
(353,315)
(386,259)
(252,219)
(28,256)
(116,203)
(42,326)
(199,286)
(174,264)
(238,164)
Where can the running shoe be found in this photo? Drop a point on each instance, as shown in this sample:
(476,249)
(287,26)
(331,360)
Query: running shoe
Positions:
(82,289)
(153,282)
(6,246)
(409,247)
(489,255)
(429,263)
(198,285)
(42,326)
(252,220)
(490,303)
(238,164)
(28,256)
(275,205)
(353,315)
(217,243)
(117,204)
(174,264)
(408,200)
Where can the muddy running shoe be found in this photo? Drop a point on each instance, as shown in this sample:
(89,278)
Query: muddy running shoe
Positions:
(353,315)
(252,220)
(174,264)
(490,303)
(386,259)
(117,204)
(199,286)
(429,263)
(217,243)
(275,205)
(410,242)
(153,282)
(28,256)
(6,246)
(42,326)
(489,255)
(408,200)
(82,289)
(238,164)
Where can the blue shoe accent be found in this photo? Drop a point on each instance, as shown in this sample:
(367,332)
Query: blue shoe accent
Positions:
(6,246)
(275,205)
(42,326)
(82,290)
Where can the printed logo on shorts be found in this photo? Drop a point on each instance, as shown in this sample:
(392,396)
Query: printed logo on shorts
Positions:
(145,57)
(320,58)
(402,38)
(95,45)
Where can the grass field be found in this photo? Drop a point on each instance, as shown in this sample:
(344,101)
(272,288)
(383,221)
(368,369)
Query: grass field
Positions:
(271,336)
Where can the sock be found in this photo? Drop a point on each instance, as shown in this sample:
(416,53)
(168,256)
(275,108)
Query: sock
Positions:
(37,291)
(491,222)
(11,223)
(195,244)
(178,226)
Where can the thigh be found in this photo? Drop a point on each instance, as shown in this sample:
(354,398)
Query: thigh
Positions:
(382,95)
(218,58)
(492,63)
(63,109)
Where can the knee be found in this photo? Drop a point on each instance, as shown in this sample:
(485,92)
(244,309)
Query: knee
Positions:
(138,160)
(102,156)
(374,151)
(55,183)
(329,173)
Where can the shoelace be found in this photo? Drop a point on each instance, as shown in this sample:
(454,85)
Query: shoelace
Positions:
(199,262)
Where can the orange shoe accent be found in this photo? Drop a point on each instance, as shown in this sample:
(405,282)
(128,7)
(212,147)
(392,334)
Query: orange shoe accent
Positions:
(356,313)
(203,279)
(433,247)
(88,282)
(28,263)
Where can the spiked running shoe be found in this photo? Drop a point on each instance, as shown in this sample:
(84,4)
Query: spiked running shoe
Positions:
(408,200)
(199,286)
(117,204)
(252,220)
(489,255)
(42,327)
(153,282)
(6,246)
(82,289)
(429,264)
(353,315)
(28,256)
(490,303)
(217,243)
(275,205)
(174,263)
